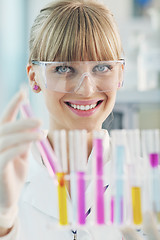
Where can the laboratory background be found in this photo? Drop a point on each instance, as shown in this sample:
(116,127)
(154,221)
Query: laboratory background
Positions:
(138,102)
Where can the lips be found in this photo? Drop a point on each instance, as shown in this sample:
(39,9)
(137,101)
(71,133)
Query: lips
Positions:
(84,108)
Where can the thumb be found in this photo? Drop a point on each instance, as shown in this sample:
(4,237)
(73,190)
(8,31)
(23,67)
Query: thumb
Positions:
(12,109)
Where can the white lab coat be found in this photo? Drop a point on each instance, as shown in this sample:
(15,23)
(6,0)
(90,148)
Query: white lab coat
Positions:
(38,207)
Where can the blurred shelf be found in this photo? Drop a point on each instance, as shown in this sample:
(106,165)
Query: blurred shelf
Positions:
(138,97)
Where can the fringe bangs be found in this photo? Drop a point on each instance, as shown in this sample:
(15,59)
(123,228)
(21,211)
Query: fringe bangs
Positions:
(77,33)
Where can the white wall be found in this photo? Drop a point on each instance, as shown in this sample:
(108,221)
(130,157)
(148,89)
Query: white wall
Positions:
(12,47)
(34,7)
(37,101)
(122,9)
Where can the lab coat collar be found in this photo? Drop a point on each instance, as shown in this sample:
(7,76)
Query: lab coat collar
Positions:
(41,190)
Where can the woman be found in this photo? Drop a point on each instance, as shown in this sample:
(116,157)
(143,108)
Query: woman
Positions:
(75,60)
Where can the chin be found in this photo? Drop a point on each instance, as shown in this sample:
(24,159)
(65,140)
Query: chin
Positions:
(87,125)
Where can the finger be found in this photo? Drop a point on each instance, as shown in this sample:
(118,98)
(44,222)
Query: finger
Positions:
(16,139)
(25,154)
(12,109)
(150,226)
(19,125)
(130,234)
(12,153)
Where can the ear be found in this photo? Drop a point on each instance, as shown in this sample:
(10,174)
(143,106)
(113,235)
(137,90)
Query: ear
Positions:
(121,74)
(32,78)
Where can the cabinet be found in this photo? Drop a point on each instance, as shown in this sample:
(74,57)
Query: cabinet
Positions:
(135,109)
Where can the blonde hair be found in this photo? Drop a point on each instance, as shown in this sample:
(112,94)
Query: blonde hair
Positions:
(75,30)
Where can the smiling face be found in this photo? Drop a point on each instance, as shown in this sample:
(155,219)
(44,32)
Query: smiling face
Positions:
(68,31)
(78,111)
(86,108)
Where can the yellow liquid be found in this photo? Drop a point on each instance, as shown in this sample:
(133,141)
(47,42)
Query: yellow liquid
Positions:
(62,199)
(136,205)
(158,217)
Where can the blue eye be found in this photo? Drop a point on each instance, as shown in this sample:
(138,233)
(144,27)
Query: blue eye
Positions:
(63,69)
(102,68)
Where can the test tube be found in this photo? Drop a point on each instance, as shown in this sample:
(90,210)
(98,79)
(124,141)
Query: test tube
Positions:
(81,160)
(118,164)
(98,173)
(112,207)
(61,153)
(151,150)
(135,177)
(43,145)
(73,170)
(119,200)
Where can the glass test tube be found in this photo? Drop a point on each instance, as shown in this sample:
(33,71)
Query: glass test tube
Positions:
(43,145)
(119,158)
(61,153)
(81,160)
(73,170)
(112,207)
(133,141)
(119,197)
(136,205)
(98,175)
(154,162)
(151,150)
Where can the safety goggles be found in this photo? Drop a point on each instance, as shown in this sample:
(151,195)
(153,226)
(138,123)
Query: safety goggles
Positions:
(68,77)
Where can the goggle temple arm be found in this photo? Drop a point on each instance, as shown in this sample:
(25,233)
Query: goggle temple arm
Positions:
(44,74)
(43,66)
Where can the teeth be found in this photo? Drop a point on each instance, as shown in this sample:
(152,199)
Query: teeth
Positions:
(82,107)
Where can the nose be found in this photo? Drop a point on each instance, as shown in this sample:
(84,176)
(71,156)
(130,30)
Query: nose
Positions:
(86,86)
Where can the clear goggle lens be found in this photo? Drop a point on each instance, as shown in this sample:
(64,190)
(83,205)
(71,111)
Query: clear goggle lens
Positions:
(68,77)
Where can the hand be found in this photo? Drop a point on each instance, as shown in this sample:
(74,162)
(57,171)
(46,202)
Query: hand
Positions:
(149,228)
(15,139)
